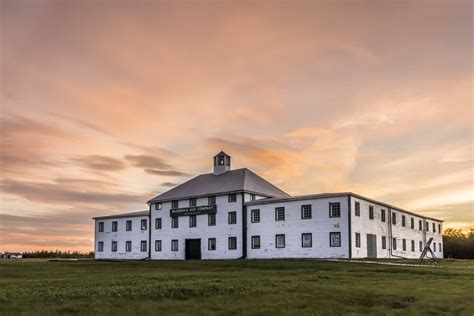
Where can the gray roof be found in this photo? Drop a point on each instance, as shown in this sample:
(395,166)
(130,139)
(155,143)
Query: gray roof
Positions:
(132,214)
(231,181)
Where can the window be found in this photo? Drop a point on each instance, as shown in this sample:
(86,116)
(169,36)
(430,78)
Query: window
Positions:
(100,246)
(357,240)
(306,212)
(280,241)
(211,219)
(157,245)
(114,226)
(421,246)
(404,244)
(403,221)
(174,222)
(101,227)
(384,242)
(232,243)
(412,245)
(394,218)
(143,246)
(371,212)
(128,226)
(255,216)
(211,244)
(255,242)
(157,223)
(114,246)
(158,206)
(174,245)
(280,214)
(192,221)
(306,240)
(252,197)
(334,209)
(440,249)
(211,200)
(412,223)
(175,204)
(232,218)
(357,209)
(128,246)
(439,228)
(394,243)
(382,217)
(232,197)
(335,239)
(434,247)
(427,226)
(192,202)
(434,228)
(144,224)
(420,225)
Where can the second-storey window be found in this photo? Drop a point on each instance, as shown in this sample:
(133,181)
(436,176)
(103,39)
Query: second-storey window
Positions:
(158,223)
(192,202)
(144,224)
(128,246)
(371,212)
(335,239)
(114,226)
(420,225)
(158,206)
(232,218)
(128,226)
(101,227)
(434,228)
(255,242)
(192,221)
(357,209)
(439,228)
(357,240)
(211,200)
(394,219)
(280,241)
(175,204)
(403,221)
(255,216)
(412,223)
(114,246)
(211,219)
(280,214)
(335,209)
(232,197)
(306,240)
(174,222)
(306,212)
(382,215)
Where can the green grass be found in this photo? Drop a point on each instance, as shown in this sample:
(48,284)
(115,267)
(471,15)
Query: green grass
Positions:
(234,287)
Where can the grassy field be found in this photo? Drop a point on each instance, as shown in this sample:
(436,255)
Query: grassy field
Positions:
(234,287)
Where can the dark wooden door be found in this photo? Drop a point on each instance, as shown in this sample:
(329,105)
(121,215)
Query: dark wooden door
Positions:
(193,249)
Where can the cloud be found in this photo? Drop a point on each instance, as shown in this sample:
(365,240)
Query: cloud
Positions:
(171,173)
(147,162)
(99,163)
(168,184)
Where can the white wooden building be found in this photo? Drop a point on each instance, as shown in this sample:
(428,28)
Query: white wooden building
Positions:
(233,214)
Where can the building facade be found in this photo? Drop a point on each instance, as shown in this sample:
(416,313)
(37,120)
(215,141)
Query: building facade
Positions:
(235,214)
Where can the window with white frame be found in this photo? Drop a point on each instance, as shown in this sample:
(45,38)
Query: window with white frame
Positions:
(158,223)
(394,243)
(404,244)
(157,245)
(403,221)
(306,211)
(357,235)
(335,209)
(280,214)
(128,246)
(357,209)
(255,242)
(174,222)
(144,224)
(114,246)
(143,246)
(421,246)
(434,228)
(174,245)
(306,240)
(335,239)
(434,247)
(101,227)
(211,219)
(384,242)
(192,202)
(394,219)
(211,244)
(211,200)
(412,223)
(128,226)
(232,243)
(232,218)
(114,226)
(175,204)
(280,241)
(100,246)
(158,206)
(232,197)
(192,221)
(412,245)
(255,216)
(371,212)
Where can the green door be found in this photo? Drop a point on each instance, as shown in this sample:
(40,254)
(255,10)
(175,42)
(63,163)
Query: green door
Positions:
(371,246)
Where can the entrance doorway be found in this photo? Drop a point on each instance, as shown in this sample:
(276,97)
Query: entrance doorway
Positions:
(371,246)
(193,249)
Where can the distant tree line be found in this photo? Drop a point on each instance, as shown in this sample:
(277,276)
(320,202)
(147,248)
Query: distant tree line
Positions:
(457,244)
(57,254)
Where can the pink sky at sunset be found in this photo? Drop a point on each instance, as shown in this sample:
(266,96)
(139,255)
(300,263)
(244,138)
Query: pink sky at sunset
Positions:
(106,104)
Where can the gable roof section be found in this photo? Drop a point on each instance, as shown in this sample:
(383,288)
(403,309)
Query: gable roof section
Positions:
(230,181)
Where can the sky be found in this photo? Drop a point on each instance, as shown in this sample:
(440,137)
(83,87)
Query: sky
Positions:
(104,105)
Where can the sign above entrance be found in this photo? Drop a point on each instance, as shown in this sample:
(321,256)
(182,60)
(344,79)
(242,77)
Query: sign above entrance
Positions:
(195,210)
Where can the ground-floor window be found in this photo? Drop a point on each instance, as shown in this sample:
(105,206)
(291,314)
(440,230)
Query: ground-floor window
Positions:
(384,242)
(192,221)
(306,240)
(335,239)
(412,245)
(404,244)
(357,240)
(114,246)
(174,245)
(211,244)
(143,246)
(100,246)
(421,246)
(434,247)
(232,243)
(157,245)
(280,241)
(255,242)
(440,248)
(394,243)
(128,246)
